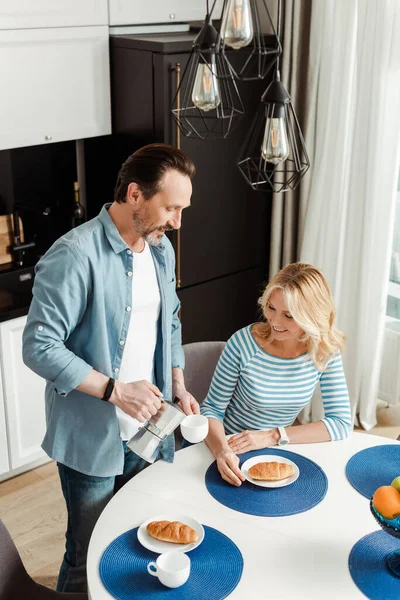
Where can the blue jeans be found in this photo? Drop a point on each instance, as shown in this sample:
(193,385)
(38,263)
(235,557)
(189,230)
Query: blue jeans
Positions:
(185,444)
(86,496)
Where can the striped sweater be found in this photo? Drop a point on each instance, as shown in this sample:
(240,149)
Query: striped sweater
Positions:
(254,390)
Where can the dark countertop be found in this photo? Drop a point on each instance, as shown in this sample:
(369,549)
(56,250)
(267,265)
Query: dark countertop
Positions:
(13,314)
(164,43)
(15,291)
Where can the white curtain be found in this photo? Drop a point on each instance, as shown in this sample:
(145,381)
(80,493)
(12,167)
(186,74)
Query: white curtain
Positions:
(350,212)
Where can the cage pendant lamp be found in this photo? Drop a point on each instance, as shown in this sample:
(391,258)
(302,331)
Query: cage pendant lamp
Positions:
(207,103)
(274,155)
(249,52)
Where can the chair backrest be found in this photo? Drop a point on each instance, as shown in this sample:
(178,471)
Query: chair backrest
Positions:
(14,580)
(200,361)
(15,583)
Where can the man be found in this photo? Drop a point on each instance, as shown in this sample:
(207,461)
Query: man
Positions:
(103,330)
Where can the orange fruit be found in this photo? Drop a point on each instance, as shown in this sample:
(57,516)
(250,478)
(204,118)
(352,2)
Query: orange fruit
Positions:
(387,501)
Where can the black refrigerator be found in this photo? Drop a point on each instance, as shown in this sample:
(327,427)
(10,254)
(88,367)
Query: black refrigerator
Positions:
(223,250)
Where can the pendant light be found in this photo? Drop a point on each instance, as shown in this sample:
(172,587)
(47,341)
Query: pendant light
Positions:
(274,155)
(207,102)
(243,41)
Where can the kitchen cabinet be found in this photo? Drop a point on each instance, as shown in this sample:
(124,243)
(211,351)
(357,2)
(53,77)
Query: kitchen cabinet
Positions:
(224,239)
(23,396)
(55,85)
(26,14)
(134,12)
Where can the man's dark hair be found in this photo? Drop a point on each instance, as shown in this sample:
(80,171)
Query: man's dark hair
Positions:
(147,167)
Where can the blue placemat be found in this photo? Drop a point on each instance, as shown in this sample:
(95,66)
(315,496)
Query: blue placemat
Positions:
(301,495)
(216,569)
(368,567)
(370,468)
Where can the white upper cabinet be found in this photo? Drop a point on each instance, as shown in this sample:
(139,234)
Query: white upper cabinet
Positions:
(55,85)
(132,12)
(25,14)
(24,398)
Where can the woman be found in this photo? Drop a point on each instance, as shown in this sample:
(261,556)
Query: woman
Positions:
(268,372)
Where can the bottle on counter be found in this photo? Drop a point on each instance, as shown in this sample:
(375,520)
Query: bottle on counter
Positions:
(78,213)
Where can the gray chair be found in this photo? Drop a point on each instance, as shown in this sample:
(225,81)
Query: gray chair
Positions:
(399,438)
(200,361)
(15,583)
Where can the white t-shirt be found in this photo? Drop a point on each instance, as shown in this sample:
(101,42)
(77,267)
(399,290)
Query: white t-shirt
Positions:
(138,357)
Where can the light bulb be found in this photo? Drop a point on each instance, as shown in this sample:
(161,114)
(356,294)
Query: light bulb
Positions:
(237,24)
(275,147)
(205,93)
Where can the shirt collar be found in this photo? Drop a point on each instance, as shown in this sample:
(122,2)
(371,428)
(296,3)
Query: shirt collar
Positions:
(113,235)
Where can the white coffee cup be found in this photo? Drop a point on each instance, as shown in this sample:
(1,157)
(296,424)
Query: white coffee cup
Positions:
(171,568)
(194,428)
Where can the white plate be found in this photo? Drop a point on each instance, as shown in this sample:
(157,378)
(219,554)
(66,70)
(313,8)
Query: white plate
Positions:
(269,458)
(158,545)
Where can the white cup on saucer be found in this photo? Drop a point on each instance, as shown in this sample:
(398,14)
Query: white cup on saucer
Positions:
(171,568)
(194,428)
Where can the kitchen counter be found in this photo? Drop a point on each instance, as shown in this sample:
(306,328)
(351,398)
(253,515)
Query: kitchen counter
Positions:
(15,291)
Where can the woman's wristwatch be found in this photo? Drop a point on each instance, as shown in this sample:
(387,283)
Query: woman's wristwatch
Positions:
(283,440)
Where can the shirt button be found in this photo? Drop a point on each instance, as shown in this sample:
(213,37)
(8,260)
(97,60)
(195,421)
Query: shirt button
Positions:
(116,370)
(121,342)
(128,309)
(129,273)
(129,251)
(40,327)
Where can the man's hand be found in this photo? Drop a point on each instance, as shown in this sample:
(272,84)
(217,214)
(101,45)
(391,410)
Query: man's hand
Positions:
(138,399)
(228,466)
(187,403)
(252,440)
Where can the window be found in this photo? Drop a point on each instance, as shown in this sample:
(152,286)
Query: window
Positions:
(393,300)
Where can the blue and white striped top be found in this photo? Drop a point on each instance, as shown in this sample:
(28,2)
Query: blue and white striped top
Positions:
(254,390)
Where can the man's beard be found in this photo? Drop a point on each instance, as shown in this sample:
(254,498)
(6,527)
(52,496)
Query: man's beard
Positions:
(154,239)
(149,233)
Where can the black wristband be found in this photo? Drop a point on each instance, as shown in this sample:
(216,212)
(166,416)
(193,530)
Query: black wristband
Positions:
(109,389)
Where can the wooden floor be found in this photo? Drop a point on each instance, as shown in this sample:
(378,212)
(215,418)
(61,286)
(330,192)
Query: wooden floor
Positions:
(32,507)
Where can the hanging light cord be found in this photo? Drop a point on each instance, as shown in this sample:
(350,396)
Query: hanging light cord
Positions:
(278,28)
(209,13)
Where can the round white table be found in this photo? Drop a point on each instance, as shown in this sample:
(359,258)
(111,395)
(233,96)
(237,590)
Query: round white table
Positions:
(303,556)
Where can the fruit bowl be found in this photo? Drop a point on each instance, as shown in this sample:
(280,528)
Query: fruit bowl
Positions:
(393,558)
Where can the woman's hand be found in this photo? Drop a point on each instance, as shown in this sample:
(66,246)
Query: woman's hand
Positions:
(228,466)
(253,440)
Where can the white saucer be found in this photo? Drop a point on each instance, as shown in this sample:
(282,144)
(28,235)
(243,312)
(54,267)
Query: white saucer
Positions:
(158,545)
(269,458)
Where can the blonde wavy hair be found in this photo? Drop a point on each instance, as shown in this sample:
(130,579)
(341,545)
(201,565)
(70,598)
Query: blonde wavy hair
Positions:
(309,301)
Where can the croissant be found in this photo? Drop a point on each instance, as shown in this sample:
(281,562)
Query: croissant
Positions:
(172,531)
(271,471)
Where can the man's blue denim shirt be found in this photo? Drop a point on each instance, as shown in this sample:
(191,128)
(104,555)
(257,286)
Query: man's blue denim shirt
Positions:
(78,321)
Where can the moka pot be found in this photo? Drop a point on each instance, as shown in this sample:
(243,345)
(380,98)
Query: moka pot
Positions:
(148,441)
